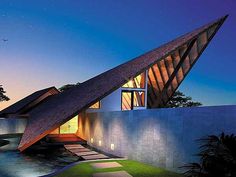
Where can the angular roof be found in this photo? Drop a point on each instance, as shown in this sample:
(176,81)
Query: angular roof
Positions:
(59,108)
(29,101)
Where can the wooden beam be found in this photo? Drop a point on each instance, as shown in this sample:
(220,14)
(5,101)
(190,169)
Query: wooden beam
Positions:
(179,65)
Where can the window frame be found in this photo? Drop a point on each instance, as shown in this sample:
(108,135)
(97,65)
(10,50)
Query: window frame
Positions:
(132,98)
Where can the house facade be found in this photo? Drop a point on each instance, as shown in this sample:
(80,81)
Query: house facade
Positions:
(145,82)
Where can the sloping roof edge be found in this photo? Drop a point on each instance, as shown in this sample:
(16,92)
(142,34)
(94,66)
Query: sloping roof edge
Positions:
(26,101)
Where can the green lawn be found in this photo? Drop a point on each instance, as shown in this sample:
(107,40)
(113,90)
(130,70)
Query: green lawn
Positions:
(134,168)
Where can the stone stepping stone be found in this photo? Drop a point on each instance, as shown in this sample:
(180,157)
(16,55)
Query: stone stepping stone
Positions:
(73,146)
(79,150)
(112,174)
(94,157)
(106,165)
(86,153)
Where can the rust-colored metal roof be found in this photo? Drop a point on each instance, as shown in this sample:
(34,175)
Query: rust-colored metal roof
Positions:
(59,108)
(25,103)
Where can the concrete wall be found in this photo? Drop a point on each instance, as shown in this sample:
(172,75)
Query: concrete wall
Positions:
(12,125)
(162,137)
(11,129)
(111,102)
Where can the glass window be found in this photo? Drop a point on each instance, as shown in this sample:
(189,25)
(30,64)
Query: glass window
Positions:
(126,100)
(131,99)
(137,82)
(96,105)
(70,127)
(139,99)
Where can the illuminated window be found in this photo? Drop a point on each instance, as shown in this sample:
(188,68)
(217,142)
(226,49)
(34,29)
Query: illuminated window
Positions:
(131,99)
(139,98)
(70,127)
(137,82)
(97,105)
(126,100)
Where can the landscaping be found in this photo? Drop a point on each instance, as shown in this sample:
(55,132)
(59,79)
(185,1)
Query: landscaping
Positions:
(134,168)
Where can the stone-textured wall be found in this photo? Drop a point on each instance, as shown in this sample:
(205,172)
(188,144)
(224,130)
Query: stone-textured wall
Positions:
(12,125)
(162,137)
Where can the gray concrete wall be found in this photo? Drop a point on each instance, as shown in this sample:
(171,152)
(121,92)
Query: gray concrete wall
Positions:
(162,137)
(12,125)
(11,129)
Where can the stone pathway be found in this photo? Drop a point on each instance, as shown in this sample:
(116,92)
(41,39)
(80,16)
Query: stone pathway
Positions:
(112,174)
(85,153)
(106,165)
(88,154)
(94,157)
(79,150)
(103,165)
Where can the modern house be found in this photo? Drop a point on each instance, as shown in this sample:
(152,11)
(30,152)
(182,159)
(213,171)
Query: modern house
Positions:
(145,82)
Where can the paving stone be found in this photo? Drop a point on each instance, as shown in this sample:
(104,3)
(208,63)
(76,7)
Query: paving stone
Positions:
(94,157)
(112,174)
(73,146)
(86,153)
(79,150)
(106,165)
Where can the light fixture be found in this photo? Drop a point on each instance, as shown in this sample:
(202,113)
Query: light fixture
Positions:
(91,140)
(99,143)
(112,147)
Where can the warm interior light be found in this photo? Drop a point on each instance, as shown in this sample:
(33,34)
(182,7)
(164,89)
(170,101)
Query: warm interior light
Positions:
(112,146)
(70,126)
(99,143)
(137,82)
(91,140)
(96,105)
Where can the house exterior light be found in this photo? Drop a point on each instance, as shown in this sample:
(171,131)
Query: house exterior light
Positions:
(99,143)
(112,147)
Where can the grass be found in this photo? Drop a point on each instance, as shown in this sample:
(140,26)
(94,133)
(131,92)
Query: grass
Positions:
(134,168)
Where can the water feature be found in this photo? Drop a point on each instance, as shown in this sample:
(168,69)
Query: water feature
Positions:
(34,162)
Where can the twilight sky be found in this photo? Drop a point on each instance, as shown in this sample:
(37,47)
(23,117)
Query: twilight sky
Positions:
(55,42)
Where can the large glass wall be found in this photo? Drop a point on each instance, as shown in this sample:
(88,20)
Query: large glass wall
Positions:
(69,127)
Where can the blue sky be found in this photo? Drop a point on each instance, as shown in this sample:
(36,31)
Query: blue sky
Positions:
(55,42)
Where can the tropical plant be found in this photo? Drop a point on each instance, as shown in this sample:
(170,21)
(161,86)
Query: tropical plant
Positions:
(67,86)
(217,157)
(3,97)
(180,100)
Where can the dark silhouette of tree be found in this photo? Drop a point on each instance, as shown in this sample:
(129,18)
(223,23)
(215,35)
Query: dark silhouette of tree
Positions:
(217,157)
(67,86)
(180,100)
(3,97)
